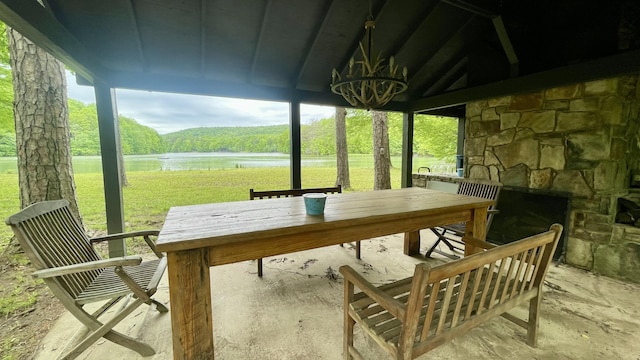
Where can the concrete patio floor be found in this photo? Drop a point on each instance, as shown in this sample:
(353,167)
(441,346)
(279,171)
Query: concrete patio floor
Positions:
(295,312)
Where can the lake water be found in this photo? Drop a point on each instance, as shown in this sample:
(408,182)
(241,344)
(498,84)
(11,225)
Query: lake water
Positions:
(211,161)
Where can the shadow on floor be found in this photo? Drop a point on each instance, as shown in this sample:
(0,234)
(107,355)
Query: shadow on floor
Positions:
(295,312)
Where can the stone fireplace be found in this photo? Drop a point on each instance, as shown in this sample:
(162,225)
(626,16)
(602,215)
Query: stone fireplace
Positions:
(582,139)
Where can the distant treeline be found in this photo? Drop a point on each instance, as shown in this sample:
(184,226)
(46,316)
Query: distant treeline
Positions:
(434,136)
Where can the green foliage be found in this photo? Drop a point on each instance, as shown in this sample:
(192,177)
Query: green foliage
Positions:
(85,140)
(139,139)
(436,136)
(319,137)
(7,131)
(83,126)
(258,139)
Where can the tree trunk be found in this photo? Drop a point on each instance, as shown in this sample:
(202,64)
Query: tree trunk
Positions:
(123,173)
(42,124)
(381,157)
(342,155)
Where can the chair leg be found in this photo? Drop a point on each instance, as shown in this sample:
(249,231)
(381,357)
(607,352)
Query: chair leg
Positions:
(106,330)
(428,253)
(348,322)
(260,267)
(160,306)
(532,328)
(358,250)
(442,238)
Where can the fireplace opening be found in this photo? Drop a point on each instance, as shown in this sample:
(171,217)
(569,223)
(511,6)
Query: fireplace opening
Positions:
(629,209)
(524,212)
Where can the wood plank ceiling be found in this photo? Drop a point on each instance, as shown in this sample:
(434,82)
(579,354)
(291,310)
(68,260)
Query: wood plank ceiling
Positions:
(455,50)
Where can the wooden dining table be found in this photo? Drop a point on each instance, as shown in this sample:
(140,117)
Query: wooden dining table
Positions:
(196,237)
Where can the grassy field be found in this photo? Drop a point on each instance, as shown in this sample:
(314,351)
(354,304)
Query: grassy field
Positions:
(27,307)
(147,200)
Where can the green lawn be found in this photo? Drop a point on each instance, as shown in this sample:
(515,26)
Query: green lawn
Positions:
(150,194)
(147,199)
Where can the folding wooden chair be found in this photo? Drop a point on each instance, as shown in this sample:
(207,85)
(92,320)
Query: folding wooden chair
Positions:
(65,259)
(253,195)
(451,235)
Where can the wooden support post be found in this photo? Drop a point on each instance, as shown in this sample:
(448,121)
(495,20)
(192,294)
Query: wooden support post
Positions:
(407,150)
(111,166)
(295,145)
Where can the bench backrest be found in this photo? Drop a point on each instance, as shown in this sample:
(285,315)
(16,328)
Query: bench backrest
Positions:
(292,192)
(51,237)
(447,300)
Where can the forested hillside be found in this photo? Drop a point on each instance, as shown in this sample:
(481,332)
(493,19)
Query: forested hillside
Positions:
(136,139)
(232,139)
(432,136)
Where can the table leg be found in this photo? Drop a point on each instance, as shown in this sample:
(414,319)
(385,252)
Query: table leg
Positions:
(190,299)
(477,228)
(412,243)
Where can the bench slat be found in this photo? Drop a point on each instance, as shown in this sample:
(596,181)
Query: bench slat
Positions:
(446,301)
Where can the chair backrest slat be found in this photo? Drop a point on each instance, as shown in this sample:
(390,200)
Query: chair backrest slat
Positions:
(292,192)
(480,189)
(52,237)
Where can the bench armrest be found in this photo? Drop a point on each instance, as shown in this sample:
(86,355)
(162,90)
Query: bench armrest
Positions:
(92,265)
(127,235)
(393,306)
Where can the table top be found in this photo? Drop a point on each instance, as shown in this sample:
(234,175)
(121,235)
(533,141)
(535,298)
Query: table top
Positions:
(196,226)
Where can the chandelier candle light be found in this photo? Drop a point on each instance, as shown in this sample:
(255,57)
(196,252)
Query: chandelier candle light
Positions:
(376,84)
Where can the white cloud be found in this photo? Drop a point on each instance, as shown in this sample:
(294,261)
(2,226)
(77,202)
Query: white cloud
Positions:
(167,112)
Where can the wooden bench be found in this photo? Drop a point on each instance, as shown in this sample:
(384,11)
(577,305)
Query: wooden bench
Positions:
(270,194)
(410,317)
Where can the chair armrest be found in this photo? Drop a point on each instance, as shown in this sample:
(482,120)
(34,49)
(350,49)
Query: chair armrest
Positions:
(92,265)
(125,235)
(119,236)
(393,306)
(478,243)
(493,211)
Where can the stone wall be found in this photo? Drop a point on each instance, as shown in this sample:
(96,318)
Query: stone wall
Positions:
(582,138)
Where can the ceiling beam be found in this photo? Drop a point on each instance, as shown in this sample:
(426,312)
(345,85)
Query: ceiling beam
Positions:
(616,65)
(410,31)
(472,8)
(426,69)
(256,51)
(136,35)
(442,42)
(507,46)
(320,26)
(37,24)
(203,36)
(431,74)
(456,69)
(202,86)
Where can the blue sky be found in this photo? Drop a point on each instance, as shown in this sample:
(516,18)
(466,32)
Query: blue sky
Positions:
(167,112)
